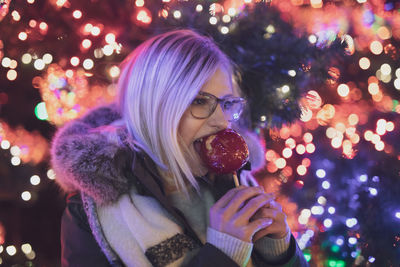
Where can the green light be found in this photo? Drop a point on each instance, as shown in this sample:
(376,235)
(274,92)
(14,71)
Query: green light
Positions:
(307,256)
(335,248)
(41,112)
(331,263)
(340,263)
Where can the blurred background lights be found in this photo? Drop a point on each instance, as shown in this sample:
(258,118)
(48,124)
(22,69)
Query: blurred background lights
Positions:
(110,38)
(77,14)
(285,89)
(5,62)
(363,178)
(88,64)
(321,200)
(339,241)
(300,149)
(86,43)
(35,180)
(26,248)
(301,170)
(351,222)
(5,144)
(51,174)
(177,14)
(15,161)
(320,173)
(199,8)
(317,210)
(108,50)
(224,30)
(396,83)
(11,250)
(373,191)
(326,185)
(114,71)
(312,39)
(15,151)
(397,215)
(287,152)
(11,75)
(371,259)
(226,18)
(328,223)
(41,111)
(376,47)
(352,240)
(22,36)
(231,11)
(26,196)
(213,20)
(292,73)
(39,64)
(74,61)
(364,63)
(386,69)
(95,31)
(47,58)
(343,90)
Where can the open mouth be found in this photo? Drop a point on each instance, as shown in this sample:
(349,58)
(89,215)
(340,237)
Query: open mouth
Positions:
(197,145)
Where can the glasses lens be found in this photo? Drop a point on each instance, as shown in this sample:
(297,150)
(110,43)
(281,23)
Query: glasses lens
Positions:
(233,108)
(202,106)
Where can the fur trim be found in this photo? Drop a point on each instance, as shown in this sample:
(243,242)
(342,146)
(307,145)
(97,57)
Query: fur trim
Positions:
(87,157)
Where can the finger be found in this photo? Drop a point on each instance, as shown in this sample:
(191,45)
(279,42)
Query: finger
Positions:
(224,200)
(253,205)
(241,196)
(258,225)
(275,205)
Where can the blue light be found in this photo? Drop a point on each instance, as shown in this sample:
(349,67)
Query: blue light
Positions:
(373,191)
(326,185)
(320,173)
(328,223)
(371,259)
(352,240)
(351,222)
(375,179)
(363,178)
(354,254)
(339,241)
(397,215)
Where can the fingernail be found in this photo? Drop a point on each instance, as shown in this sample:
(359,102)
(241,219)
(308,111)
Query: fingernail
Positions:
(268,222)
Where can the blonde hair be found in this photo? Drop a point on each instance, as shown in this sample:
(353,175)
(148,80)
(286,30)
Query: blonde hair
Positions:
(158,82)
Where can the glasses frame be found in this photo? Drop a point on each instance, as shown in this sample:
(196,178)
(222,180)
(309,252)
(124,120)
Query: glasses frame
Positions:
(221,102)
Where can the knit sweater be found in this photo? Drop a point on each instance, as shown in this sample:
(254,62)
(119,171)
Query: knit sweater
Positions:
(129,224)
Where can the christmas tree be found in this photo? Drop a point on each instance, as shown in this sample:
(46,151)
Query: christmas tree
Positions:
(322,81)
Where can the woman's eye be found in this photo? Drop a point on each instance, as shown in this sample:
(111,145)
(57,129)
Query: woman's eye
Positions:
(199,101)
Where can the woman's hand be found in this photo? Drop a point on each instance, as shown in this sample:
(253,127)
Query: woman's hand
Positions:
(231,214)
(279,227)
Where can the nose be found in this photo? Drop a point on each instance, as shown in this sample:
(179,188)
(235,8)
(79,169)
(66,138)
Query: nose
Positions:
(218,119)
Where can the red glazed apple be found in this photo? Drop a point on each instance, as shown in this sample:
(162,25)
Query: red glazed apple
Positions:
(224,152)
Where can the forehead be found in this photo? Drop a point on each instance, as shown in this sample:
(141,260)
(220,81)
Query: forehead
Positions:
(219,84)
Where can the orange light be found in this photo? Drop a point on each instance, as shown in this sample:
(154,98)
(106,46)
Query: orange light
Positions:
(368,135)
(280,163)
(271,167)
(389,126)
(306,162)
(270,155)
(77,14)
(310,148)
(144,16)
(343,90)
(353,119)
(86,43)
(364,63)
(288,171)
(340,127)
(373,88)
(287,152)
(336,142)
(291,143)
(284,132)
(300,149)
(355,138)
(330,132)
(301,170)
(308,137)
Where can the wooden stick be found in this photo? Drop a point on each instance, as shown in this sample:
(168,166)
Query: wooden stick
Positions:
(235,179)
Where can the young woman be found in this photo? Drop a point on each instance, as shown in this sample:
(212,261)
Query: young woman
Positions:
(139,193)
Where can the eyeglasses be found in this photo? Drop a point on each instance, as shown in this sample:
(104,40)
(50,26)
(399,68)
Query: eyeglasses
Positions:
(204,105)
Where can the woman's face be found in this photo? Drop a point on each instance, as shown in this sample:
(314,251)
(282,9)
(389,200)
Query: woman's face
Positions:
(191,129)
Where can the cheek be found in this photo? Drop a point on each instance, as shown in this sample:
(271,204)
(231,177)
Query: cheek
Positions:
(189,128)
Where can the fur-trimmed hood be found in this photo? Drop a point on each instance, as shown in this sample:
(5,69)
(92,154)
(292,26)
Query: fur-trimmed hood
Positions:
(87,154)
